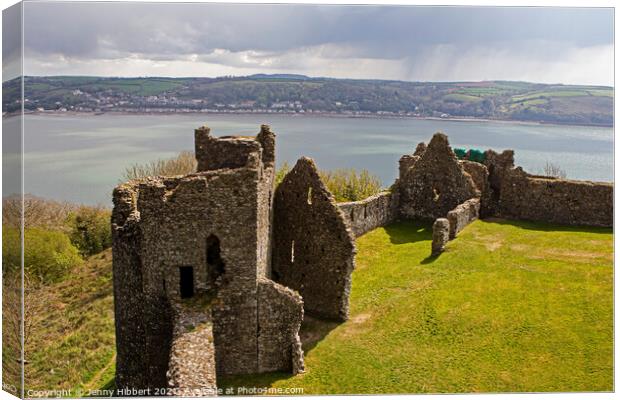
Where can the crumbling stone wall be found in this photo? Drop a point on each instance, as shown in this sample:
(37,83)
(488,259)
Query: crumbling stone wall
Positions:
(191,369)
(280,313)
(204,234)
(128,296)
(432,181)
(178,216)
(314,249)
(373,212)
(463,215)
(555,200)
(499,166)
(480,175)
(213,153)
(441,235)
(478,172)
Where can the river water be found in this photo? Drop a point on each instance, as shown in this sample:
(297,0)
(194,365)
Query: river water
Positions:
(81,158)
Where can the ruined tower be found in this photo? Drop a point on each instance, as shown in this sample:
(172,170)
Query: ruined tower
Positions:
(195,250)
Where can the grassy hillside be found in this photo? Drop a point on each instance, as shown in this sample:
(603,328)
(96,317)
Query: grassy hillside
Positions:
(572,104)
(73,345)
(511,306)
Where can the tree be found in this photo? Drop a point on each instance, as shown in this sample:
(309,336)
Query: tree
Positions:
(90,230)
(554,170)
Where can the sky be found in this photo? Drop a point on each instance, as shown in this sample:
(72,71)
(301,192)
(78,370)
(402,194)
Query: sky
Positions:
(548,45)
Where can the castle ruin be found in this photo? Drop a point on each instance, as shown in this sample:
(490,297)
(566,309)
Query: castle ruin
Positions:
(192,268)
(213,271)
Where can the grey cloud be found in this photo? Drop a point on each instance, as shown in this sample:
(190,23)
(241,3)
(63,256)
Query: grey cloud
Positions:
(270,37)
(89,29)
(11,42)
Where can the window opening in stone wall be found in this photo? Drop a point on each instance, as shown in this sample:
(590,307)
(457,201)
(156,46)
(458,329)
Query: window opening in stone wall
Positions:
(186,282)
(215,264)
(292,251)
(435,195)
(310,195)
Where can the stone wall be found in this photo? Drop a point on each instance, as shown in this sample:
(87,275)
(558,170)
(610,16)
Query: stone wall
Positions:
(191,369)
(480,175)
(560,201)
(373,212)
(432,181)
(213,153)
(178,219)
(203,234)
(128,297)
(280,312)
(441,235)
(314,248)
(498,165)
(463,215)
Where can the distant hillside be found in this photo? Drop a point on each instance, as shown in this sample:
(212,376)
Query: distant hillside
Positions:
(520,101)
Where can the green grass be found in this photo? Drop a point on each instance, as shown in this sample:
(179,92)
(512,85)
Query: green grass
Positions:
(528,103)
(73,346)
(482,91)
(510,307)
(554,93)
(602,92)
(461,98)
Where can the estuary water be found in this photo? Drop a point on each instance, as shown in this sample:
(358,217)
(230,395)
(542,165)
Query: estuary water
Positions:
(80,158)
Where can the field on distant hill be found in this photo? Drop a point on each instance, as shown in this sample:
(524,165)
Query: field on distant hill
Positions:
(511,306)
(521,101)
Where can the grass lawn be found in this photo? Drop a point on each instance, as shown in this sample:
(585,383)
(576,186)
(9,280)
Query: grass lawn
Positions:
(510,307)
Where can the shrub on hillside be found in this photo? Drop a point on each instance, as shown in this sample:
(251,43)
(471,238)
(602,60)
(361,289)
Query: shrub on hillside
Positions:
(350,185)
(90,230)
(554,171)
(183,164)
(38,212)
(48,255)
(281,172)
(344,184)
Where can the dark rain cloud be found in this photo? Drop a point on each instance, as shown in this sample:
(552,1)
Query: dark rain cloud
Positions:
(400,42)
(165,30)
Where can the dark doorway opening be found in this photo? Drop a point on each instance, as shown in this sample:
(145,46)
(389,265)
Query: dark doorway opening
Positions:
(215,264)
(186,282)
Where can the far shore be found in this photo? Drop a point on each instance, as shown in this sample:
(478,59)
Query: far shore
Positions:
(294,115)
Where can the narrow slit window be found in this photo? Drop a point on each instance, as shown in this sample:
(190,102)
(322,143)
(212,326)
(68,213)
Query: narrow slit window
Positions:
(292,251)
(310,195)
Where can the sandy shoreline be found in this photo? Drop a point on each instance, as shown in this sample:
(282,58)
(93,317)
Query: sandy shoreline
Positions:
(295,115)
